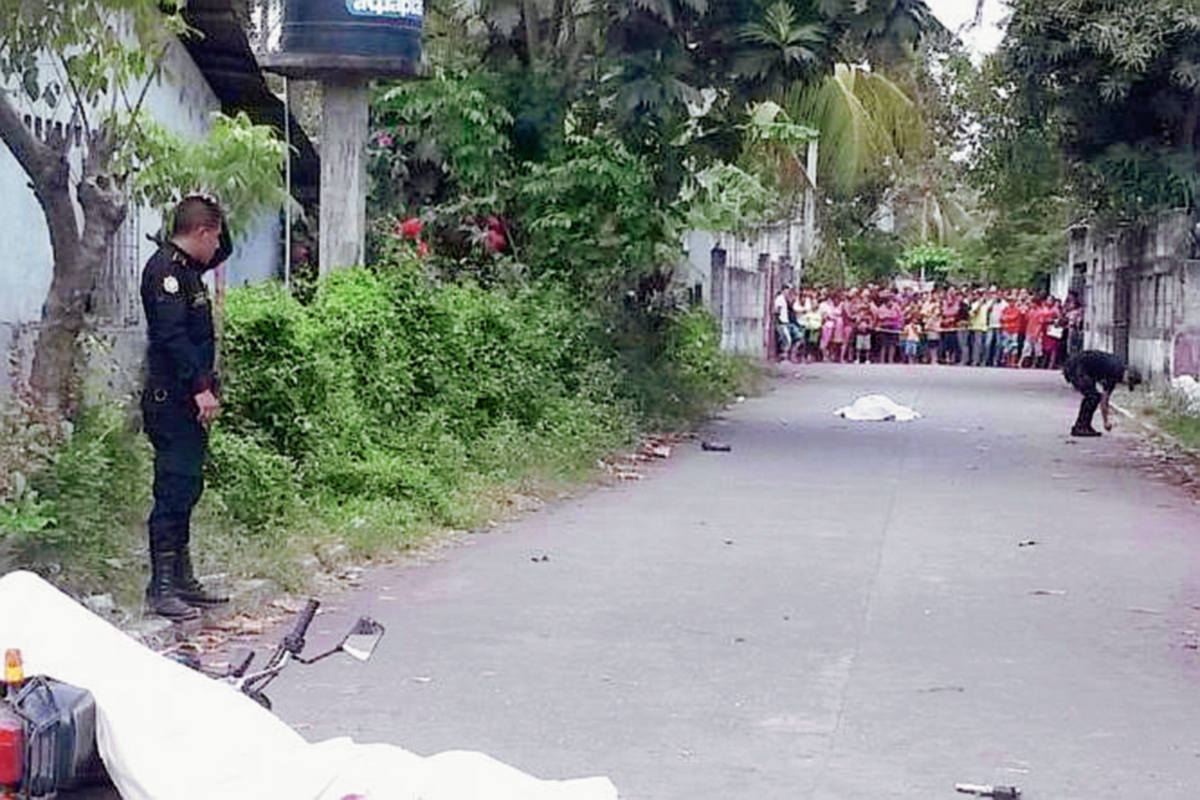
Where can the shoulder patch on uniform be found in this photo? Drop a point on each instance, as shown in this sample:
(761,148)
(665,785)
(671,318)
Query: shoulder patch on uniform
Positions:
(170,284)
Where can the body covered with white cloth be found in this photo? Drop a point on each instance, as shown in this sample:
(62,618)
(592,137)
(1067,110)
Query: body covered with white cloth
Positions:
(166,732)
(877,408)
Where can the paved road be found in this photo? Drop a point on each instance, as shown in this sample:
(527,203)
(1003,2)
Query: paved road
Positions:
(833,610)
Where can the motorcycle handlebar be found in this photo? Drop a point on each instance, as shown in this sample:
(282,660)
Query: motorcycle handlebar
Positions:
(294,641)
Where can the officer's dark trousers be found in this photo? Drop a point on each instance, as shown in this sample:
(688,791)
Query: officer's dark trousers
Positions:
(179,441)
(1088,405)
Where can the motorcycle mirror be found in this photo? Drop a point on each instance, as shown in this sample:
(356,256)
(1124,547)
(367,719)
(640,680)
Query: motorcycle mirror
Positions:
(360,642)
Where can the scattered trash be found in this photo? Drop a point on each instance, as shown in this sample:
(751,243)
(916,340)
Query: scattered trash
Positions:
(987,790)
(877,408)
(1051,592)
(729,541)
(540,558)
(422,679)
(715,447)
(938,689)
(659,450)
(1139,610)
(1027,543)
(289,604)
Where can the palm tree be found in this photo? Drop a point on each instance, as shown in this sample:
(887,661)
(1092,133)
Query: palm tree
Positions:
(781,49)
(867,124)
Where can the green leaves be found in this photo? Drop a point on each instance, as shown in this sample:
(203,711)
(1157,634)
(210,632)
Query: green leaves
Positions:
(593,216)
(437,137)
(1116,87)
(239,163)
(934,262)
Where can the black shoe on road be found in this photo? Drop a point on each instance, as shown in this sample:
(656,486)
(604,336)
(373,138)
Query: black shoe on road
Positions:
(1089,432)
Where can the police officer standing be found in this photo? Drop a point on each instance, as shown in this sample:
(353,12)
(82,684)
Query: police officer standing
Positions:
(1088,370)
(179,400)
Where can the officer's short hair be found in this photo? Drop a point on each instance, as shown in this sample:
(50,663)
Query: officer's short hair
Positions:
(195,212)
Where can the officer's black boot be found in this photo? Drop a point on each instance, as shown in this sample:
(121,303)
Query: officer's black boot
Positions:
(161,597)
(187,588)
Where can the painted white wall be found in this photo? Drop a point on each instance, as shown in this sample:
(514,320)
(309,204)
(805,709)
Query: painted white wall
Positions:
(182,101)
(26,267)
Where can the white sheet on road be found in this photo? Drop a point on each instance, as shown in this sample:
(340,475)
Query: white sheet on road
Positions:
(877,408)
(166,732)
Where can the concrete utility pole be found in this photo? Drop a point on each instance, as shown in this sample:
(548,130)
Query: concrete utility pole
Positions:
(343,172)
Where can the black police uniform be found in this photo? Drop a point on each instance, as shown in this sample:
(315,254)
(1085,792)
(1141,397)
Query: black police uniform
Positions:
(1084,371)
(180,362)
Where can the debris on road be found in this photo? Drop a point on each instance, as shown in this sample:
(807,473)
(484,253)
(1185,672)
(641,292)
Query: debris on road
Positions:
(626,466)
(715,447)
(1049,592)
(877,408)
(1027,543)
(987,790)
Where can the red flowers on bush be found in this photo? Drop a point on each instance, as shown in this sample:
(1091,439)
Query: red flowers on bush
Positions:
(410,227)
(494,240)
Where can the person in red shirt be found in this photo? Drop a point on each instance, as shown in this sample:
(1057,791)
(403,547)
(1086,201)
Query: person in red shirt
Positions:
(1012,320)
(1035,329)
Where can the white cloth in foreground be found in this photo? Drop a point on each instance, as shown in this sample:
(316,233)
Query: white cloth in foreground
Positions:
(166,732)
(877,408)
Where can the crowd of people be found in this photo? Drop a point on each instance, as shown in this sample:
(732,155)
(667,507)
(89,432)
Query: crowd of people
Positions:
(970,326)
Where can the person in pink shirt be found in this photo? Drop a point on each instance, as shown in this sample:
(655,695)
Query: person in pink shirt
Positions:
(1056,325)
(831,322)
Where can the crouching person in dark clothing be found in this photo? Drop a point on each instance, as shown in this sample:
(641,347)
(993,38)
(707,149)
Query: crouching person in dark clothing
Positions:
(1095,374)
(179,400)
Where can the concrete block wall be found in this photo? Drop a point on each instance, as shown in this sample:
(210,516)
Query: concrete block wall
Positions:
(1141,293)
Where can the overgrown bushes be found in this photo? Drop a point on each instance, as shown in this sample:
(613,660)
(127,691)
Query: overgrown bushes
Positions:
(385,406)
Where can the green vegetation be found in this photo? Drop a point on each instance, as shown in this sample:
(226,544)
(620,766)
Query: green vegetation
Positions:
(1177,414)
(518,316)
(386,407)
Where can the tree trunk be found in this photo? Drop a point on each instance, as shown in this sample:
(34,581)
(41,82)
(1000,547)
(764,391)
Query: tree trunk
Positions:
(59,360)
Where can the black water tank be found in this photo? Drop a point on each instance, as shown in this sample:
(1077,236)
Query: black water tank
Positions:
(374,29)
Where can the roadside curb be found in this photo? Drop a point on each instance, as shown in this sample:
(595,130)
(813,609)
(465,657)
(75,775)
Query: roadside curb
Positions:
(1149,426)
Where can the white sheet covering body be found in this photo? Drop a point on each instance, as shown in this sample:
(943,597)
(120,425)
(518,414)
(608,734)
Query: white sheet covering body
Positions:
(877,408)
(166,732)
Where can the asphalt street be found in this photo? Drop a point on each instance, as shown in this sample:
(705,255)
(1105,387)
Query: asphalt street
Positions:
(831,610)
